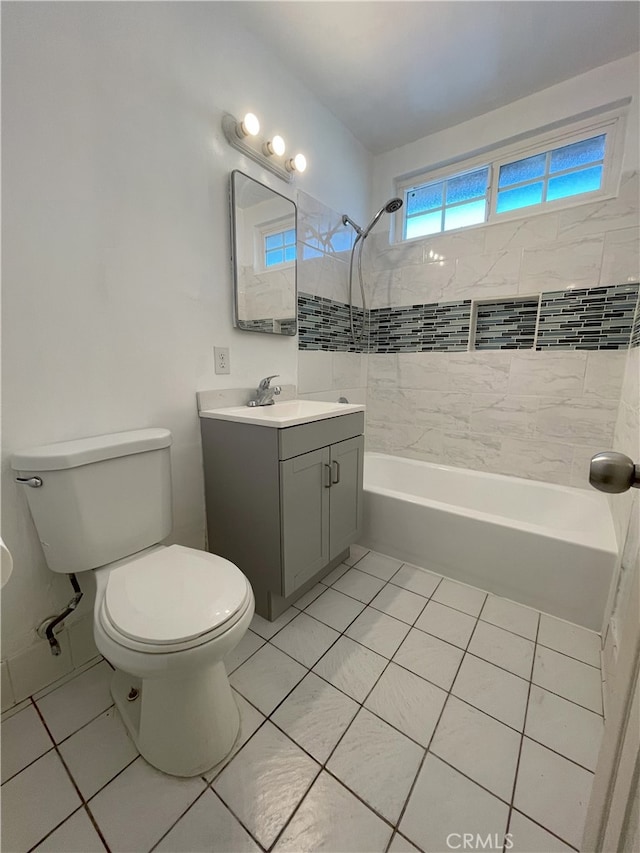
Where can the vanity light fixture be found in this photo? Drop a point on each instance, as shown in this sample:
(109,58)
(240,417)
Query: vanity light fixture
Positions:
(269,153)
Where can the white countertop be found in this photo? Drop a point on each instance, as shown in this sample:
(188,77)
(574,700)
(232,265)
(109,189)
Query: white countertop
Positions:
(285,414)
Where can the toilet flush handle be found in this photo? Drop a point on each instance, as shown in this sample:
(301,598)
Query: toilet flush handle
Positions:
(34,482)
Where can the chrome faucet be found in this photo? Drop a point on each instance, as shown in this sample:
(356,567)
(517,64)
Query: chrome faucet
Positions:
(265,393)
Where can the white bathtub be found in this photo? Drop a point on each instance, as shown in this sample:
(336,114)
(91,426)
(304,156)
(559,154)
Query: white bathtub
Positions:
(549,547)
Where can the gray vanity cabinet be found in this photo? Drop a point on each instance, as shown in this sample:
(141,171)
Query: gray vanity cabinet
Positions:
(283,504)
(321,508)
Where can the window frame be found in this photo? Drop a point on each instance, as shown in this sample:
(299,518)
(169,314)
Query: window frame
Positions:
(613,124)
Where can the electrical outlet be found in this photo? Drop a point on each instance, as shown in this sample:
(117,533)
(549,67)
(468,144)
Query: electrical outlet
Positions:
(222,361)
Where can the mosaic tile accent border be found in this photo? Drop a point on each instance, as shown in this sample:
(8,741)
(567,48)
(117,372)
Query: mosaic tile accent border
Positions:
(635,332)
(590,319)
(506,324)
(284,327)
(323,324)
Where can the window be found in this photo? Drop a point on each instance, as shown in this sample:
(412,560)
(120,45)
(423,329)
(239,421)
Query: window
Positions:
(557,169)
(279,247)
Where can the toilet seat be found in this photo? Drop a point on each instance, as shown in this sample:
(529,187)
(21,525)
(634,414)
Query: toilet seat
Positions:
(172,599)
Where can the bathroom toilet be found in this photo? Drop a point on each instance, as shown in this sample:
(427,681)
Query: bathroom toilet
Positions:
(164,616)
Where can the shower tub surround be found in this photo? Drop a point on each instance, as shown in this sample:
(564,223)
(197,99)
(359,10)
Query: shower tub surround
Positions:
(385,711)
(549,547)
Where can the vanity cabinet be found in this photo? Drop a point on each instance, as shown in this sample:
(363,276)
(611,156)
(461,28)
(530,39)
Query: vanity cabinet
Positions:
(283,504)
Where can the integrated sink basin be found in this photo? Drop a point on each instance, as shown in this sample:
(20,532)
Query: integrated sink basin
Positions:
(285,414)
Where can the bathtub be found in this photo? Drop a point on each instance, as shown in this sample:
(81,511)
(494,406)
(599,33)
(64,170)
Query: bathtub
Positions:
(549,547)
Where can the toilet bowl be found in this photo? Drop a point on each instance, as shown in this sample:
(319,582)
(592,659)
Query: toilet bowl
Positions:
(166,619)
(164,616)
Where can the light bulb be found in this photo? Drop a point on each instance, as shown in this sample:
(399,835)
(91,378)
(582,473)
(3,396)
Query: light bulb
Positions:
(275,146)
(249,126)
(297,164)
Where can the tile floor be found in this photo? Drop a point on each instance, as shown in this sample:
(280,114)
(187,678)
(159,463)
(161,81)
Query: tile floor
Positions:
(386,711)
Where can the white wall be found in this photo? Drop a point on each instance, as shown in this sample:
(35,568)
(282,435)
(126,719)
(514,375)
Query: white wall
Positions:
(116,270)
(586,92)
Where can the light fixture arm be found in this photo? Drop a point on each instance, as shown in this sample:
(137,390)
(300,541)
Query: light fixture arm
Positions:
(252,146)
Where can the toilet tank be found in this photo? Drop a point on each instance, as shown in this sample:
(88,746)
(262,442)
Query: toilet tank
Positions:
(102,498)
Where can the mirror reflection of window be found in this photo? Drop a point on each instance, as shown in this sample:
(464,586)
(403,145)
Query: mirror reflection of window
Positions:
(264,256)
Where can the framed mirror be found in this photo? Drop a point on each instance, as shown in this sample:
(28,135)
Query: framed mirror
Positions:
(263,234)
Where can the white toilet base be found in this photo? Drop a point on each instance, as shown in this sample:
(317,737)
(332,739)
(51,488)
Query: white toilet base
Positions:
(183,724)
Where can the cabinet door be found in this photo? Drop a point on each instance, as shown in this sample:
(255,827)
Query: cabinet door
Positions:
(304,500)
(346,494)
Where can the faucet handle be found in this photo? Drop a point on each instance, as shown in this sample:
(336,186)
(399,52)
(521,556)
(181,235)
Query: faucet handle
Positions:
(264,383)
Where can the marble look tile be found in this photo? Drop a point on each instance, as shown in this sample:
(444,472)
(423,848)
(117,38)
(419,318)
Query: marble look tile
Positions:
(570,639)
(503,414)
(547,373)
(564,727)
(316,715)
(378,631)
(430,282)
(448,624)
(378,763)
(335,609)
(359,585)
(97,752)
(609,215)
(249,644)
(351,668)
(569,678)
(24,739)
(553,791)
(265,782)
(315,370)
(457,805)
(503,648)
(305,639)
(478,451)
(35,801)
(208,825)
(250,721)
(408,702)
(417,580)
(429,657)
(426,371)
(532,459)
(266,629)
(579,420)
(605,373)
(399,603)
(521,233)
(391,257)
(136,809)
(492,690)
(267,677)
(349,370)
(472,372)
(486,275)
(356,553)
(511,616)
(75,835)
(352,828)
(557,265)
(478,746)
(454,244)
(620,259)
(582,456)
(78,701)
(6,688)
(528,837)
(415,442)
(383,285)
(468,599)
(447,410)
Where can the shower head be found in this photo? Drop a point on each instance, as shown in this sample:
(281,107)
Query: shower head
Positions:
(390,207)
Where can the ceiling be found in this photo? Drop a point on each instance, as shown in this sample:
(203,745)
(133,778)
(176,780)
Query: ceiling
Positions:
(393,72)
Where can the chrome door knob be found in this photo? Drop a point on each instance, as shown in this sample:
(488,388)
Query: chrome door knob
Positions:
(613,472)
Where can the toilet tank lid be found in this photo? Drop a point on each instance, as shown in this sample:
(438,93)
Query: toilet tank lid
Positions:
(83,451)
